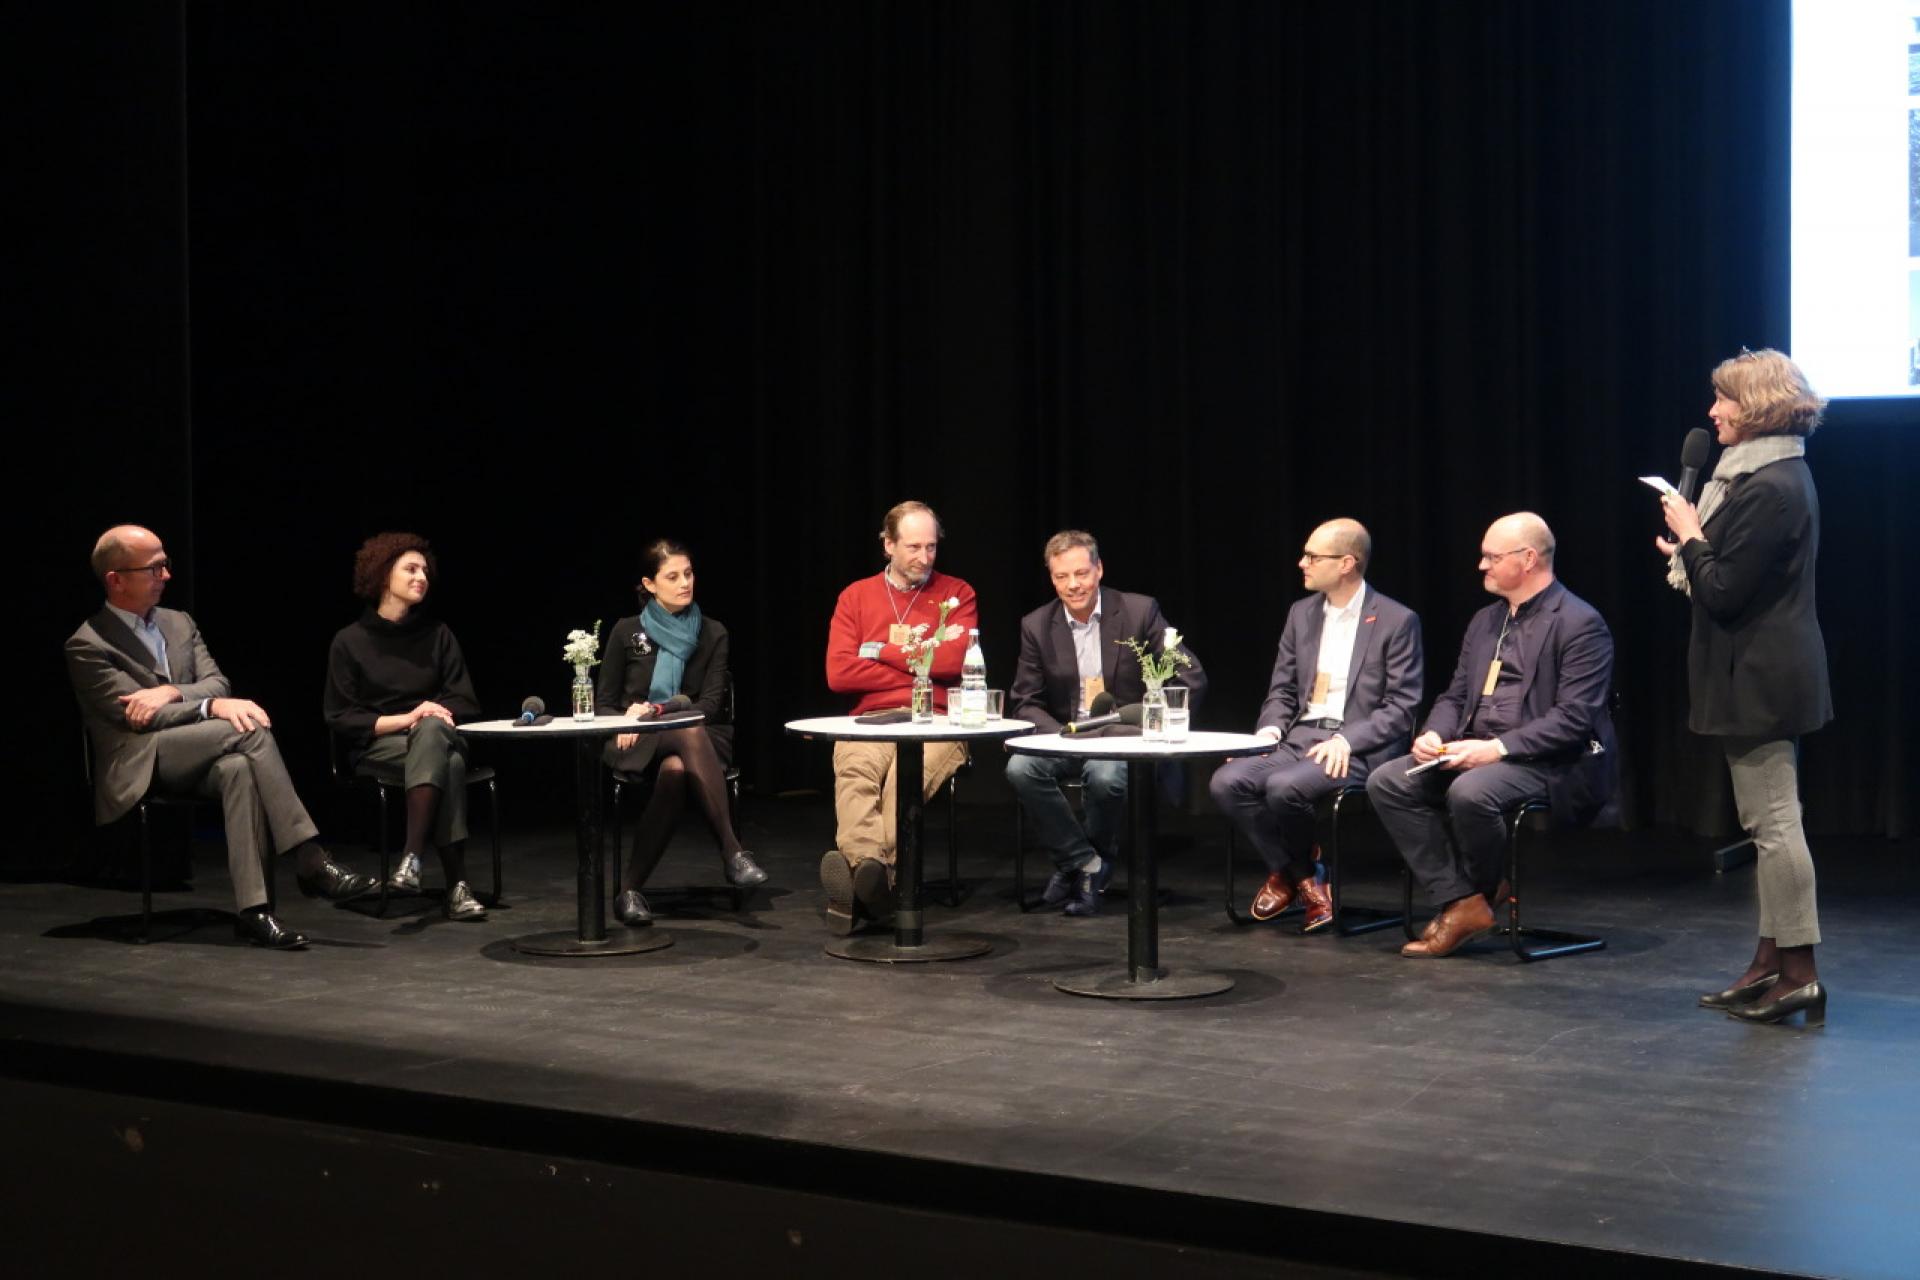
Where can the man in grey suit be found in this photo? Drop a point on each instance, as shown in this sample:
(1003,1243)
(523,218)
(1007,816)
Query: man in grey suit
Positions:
(1071,651)
(161,717)
(1345,686)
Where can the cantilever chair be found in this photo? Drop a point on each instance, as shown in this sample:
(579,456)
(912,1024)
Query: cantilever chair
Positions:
(347,778)
(143,824)
(1330,815)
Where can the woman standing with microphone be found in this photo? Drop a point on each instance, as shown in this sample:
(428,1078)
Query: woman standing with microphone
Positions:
(1756,664)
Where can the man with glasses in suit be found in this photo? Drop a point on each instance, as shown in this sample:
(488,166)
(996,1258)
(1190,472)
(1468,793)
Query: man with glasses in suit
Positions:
(160,717)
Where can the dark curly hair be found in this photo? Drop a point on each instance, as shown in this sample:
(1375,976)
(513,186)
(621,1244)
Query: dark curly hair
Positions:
(374,562)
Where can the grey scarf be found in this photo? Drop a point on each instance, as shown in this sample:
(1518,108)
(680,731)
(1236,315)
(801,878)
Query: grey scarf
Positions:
(1737,460)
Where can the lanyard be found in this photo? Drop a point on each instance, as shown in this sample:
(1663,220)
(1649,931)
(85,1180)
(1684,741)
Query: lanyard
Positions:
(898,616)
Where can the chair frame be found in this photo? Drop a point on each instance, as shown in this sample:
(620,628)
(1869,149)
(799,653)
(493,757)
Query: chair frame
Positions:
(1328,814)
(1559,942)
(349,778)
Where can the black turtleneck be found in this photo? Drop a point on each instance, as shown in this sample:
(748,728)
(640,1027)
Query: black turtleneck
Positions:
(379,668)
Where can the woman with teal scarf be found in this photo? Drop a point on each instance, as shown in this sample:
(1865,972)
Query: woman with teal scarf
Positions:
(670,648)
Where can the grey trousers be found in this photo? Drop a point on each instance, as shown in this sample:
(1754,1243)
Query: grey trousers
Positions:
(1766,791)
(244,772)
(431,754)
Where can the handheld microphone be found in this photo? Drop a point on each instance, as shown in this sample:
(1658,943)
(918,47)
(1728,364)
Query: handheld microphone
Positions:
(1099,712)
(1693,456)
(532,712)
(1130,714)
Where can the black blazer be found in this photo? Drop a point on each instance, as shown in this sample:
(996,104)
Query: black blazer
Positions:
(1384,680)
(626,673)
(1756,663)
(1567,726)
(1046,682)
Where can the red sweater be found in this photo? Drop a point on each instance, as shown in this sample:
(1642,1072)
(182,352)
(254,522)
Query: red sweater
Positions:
(865,611)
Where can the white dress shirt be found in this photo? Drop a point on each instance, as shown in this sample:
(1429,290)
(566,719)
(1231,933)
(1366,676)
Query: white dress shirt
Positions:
(1339,627)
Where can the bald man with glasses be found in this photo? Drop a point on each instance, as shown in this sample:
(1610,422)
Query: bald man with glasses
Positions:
(160,717)
(1524,718)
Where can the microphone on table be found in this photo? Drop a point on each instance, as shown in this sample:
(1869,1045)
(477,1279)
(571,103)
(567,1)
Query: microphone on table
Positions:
(1103,714)
(1693,456)
(533,712)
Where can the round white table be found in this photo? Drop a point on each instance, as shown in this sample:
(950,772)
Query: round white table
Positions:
(909,943)
(1142,978)
(587,736)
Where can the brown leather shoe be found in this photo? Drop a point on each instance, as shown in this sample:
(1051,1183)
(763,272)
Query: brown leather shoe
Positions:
(1459,924)
(1318,902)
(1275,896)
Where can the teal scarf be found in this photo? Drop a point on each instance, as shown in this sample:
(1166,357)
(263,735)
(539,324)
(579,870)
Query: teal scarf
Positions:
(676,634)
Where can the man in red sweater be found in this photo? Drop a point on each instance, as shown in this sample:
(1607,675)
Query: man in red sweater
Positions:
(872,620)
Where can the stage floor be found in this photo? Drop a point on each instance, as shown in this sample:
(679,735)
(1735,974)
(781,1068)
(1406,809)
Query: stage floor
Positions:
(1583,1100)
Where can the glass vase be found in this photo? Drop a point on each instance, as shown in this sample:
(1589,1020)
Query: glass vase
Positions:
(582,693)
(922,699)
(1153,714)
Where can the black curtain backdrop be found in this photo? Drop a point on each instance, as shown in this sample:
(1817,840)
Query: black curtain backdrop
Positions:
(1192,276)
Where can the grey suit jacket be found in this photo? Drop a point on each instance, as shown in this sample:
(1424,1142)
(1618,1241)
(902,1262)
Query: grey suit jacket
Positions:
(1384,680)
(1046,683)
(105,660)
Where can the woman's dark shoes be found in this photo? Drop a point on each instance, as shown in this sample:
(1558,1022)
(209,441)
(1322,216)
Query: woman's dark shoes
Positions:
(1746,993)
(1812,998)
(462,905)
(262,930)
(742,871)
(631,909)
(332,881)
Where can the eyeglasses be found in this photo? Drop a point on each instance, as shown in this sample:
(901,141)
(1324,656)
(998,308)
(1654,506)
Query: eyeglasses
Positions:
(1495,557)
(1322,555)
(158,567)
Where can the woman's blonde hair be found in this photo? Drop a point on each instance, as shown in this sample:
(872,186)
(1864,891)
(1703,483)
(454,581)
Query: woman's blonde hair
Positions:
(1772,393)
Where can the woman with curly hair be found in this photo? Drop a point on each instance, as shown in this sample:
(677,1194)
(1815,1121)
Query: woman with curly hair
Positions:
(1756,663)
(670,648)
(396,686)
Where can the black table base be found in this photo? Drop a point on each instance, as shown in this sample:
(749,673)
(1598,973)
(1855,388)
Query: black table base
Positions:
(883,950)
(1122,984)
(909,943)
(1143,978)
(589,937)
(568,942)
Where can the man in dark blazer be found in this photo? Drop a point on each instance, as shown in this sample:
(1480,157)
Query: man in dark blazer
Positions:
(1525,717)
(160,717)
(1345,686)
(1071,651)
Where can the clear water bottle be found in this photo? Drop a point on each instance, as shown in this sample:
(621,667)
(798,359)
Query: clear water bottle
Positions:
(973,683)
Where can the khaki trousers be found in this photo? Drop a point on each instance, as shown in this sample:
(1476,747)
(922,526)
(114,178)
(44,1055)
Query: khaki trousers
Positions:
(864,792)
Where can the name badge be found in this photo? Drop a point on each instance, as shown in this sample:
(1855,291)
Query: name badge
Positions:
(1321,681)
(898,634)
(1091,687)
(1493,678)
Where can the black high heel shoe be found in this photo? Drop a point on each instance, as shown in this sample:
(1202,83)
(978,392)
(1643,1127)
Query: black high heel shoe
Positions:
(1746,994)
(1812,998)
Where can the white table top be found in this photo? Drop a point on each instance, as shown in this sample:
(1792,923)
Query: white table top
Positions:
(566,726)
(847,727)
(1134,748)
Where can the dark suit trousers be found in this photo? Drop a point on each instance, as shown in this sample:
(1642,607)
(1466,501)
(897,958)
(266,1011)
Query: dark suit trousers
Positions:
(244,771)
(1270,798)
(1419,813)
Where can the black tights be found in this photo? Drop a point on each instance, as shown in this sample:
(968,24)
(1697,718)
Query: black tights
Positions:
(684,759)
(423,805)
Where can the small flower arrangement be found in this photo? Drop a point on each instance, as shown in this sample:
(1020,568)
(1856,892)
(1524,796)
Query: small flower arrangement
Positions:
(1158,668)
(583,647)
(919,648)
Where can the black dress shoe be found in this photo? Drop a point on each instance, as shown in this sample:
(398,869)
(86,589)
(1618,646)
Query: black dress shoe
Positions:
(836,880)
(335,882)
(1086,894)
(1812,998)
(262,930)
(742,871)
(631,909)
(1060,886)
(1738,995)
